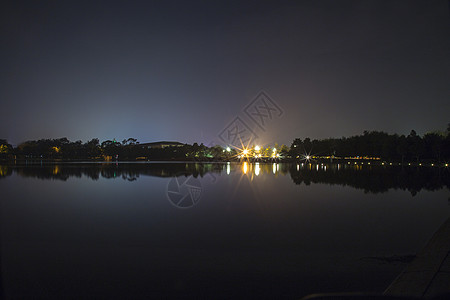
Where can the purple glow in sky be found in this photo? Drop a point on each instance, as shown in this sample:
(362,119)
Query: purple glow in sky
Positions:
(183,70)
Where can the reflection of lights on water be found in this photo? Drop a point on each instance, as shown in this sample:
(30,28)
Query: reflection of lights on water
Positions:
(302,165)
(228,168)
(56,170)
(274,168)
(257,169)
(245,168)
(317,167)
(298,167)
(339,166)
(324,168)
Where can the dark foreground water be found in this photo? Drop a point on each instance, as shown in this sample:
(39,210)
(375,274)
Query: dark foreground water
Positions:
(213,231)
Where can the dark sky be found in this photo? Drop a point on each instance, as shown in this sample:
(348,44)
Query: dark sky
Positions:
(183,70)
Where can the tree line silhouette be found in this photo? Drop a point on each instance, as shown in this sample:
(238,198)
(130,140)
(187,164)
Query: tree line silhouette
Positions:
(129,149)
(431,147)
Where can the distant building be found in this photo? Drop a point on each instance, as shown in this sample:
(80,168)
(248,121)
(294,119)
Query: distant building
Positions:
(163,144)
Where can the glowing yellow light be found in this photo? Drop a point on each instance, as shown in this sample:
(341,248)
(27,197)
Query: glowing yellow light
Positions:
(56,149)
(432,165)
(308,157)
(446,165)
(274,149)
(245,152)
(3,149)
(420,164)
(257,148)
(245,168)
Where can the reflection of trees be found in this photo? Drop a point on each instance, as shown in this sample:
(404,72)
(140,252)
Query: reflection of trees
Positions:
(5,171)
(375,179)
(371,179)
(125,171)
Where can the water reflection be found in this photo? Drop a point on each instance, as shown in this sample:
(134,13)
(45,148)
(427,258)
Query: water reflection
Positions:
(257,168)
(257,223)
(370,178)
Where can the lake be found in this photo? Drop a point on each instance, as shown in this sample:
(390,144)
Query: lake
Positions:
(212,230)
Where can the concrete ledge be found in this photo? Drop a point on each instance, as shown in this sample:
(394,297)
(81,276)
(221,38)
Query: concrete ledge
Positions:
(428,274)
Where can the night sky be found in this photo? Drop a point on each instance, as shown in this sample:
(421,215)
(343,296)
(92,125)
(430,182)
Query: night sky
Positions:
(183,70)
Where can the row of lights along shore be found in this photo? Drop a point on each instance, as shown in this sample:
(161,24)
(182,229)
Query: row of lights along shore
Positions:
(256,153)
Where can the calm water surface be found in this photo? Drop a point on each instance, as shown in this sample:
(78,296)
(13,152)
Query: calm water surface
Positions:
(213,231)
